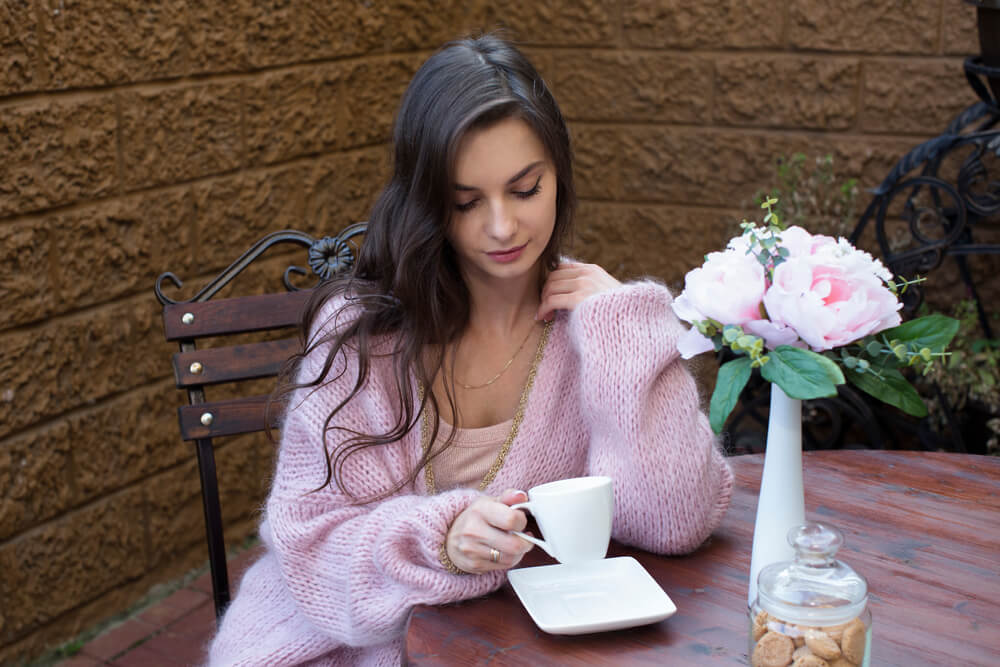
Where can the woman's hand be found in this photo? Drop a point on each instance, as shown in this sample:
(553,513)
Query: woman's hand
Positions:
(483,527)
(570,284)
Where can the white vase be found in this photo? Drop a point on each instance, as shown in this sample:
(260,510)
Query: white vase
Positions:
(781,504)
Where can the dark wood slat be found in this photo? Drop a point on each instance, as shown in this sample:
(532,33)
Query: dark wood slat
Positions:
(229,364)
(237,315)
(232,417)
(920,526)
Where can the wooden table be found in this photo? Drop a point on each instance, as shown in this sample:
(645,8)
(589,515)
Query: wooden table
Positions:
(923,528)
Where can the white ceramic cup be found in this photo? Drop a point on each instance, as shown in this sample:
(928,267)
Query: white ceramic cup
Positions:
(574,516)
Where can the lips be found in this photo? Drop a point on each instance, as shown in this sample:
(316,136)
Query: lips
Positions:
(509,255)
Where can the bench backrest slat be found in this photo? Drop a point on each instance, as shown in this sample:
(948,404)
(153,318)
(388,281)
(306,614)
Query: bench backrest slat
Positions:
(215,365)
(231,417)
(232,316)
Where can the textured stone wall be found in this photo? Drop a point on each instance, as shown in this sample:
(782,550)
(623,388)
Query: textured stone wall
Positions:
(138,137)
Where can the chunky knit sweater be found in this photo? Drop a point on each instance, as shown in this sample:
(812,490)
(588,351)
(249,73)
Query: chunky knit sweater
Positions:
(338,580)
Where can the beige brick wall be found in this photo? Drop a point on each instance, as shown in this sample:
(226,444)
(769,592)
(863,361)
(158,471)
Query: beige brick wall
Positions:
(139,137)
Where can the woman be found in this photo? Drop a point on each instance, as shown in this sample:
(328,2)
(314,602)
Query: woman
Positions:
(462,326)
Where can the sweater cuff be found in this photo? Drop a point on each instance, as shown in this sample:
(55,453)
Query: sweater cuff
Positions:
(446,561)
(442,511)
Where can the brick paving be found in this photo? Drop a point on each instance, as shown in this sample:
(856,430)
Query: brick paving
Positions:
(172,632)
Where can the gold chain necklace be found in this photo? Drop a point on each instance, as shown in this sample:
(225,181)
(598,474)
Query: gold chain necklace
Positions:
(425,429)
(502,370)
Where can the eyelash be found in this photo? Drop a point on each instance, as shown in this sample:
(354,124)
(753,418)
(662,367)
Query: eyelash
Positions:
(520,194)
(535,189)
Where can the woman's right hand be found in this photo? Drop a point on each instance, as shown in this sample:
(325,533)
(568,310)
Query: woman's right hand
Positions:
(483,526)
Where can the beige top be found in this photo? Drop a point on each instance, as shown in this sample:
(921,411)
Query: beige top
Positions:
(465,463)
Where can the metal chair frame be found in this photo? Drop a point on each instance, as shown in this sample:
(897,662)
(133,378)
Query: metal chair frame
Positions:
(187,321)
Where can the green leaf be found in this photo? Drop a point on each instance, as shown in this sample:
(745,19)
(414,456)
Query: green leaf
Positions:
(733,376)
(984,344)
(802,374)
(891,388)
(933,331)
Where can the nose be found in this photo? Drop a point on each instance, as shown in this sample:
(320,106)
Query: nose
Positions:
(502,224)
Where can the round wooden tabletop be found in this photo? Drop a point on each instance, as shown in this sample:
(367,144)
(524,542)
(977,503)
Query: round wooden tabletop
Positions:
(923,528)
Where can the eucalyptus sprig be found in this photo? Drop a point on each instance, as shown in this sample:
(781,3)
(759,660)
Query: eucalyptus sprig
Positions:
(920,341)
(763,242)
(898,287)
(882,351)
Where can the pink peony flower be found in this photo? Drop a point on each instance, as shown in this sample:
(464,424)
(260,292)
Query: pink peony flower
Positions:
(801,243)
(727,288)
(830,297)
(853,260)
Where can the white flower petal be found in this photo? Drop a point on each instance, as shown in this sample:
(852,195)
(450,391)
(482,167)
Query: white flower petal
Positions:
(692,343)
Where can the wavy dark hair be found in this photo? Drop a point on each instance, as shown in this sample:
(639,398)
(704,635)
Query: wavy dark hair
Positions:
(406,282)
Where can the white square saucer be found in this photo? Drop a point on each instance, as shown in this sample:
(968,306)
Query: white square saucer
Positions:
(594,596)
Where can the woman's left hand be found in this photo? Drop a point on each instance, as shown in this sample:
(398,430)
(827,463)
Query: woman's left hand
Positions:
(570,284)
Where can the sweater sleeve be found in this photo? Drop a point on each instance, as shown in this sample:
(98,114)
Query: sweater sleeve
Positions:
(355,570)
(672,484)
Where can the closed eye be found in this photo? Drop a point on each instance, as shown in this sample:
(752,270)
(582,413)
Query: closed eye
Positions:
(520,194)
(524,194)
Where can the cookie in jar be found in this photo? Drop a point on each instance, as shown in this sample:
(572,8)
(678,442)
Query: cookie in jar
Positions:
(811,611)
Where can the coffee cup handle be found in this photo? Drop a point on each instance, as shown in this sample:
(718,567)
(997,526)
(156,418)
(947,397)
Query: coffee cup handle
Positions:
(534,540)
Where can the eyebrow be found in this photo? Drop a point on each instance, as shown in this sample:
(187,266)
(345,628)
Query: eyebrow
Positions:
(515,178)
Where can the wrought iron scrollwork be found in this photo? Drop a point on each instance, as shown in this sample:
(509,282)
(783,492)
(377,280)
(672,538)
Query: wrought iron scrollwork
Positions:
(327,257)
(975,71)
(941,215)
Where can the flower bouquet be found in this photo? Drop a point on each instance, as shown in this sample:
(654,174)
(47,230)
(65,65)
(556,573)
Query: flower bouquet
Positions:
(811,312)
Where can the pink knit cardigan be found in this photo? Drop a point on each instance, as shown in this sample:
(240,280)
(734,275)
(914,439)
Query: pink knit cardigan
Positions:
(337,581)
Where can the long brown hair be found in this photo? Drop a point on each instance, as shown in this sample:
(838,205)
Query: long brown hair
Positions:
(406,281)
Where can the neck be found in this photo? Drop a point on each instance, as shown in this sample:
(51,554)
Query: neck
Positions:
(501,307)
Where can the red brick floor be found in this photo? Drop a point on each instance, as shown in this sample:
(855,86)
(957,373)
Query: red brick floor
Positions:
(174,631)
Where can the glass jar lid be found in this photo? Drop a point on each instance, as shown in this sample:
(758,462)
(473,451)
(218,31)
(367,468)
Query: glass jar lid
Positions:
(815,588)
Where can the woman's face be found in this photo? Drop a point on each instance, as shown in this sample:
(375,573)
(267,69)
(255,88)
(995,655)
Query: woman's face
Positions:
(504,201)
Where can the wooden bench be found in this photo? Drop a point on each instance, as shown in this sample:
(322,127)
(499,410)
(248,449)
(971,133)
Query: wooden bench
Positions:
(200,317)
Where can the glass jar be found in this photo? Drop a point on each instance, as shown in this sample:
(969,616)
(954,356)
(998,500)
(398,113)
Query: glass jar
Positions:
(812,611)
